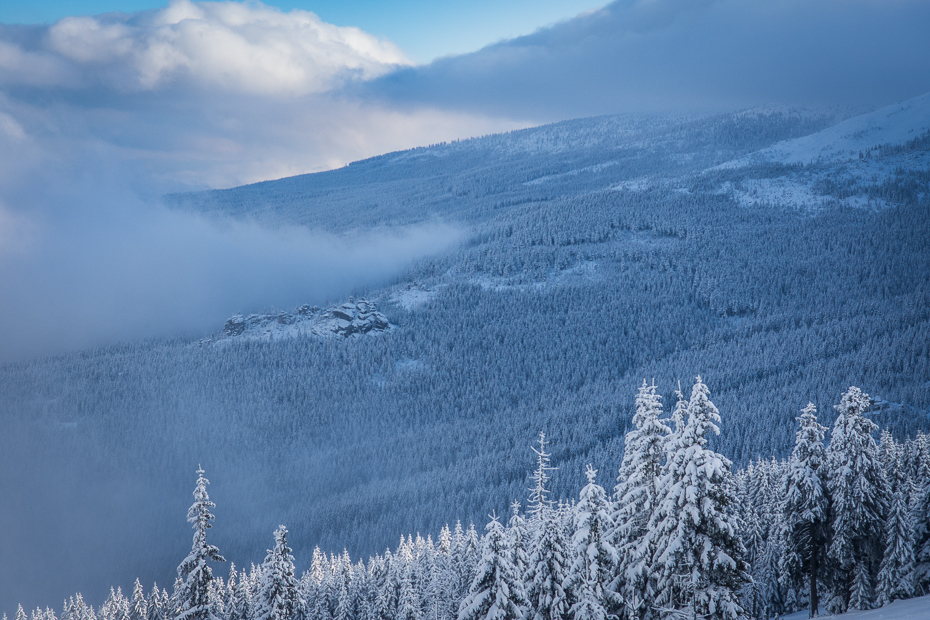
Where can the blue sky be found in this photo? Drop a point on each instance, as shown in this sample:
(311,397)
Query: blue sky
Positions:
(424,29)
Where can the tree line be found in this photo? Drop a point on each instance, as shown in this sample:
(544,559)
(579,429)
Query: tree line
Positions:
(834,527)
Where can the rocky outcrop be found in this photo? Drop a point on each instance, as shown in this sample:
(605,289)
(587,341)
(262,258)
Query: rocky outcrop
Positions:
(353,318)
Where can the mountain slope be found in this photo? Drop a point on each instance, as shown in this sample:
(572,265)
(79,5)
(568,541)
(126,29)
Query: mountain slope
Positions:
(601,251)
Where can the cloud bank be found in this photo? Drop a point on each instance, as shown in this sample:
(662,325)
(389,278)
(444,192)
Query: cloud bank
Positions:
(113,268)
(685,55)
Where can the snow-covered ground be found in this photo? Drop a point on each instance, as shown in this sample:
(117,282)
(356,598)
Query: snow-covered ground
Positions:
(911,609)
(845,164)
(894,124)
(412,296)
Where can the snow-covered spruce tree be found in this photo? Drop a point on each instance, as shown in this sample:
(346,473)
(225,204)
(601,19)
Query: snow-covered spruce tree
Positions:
(920,508)
(277,591)
(442,581)
(389,588)
(806,507)
(594,556)
(234,607)
(344,603)
(897,572)
(408,606)
(539,494)
(517,536)
(314,591)
(494,593)
(635,500)
(547,569)
(896,576)
(191,597)
(155,609)
(116,607)
(698,558)
(856,483)
(138,606)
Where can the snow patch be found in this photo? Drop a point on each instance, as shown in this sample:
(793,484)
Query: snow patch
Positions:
(585,270)
(891,125)
(412,296)
(910,609)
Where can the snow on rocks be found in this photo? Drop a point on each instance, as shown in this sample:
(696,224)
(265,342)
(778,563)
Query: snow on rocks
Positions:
(353,318)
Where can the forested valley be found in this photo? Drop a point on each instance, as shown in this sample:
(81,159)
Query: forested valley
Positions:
(596,252)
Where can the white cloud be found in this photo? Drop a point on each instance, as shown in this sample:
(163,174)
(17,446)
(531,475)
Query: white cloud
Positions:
(246,48)
(100,115)
(210,94)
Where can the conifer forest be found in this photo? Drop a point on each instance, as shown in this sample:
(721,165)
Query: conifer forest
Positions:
(680,535)
(486,406)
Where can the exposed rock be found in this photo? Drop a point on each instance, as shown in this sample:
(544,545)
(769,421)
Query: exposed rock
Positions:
(356,317)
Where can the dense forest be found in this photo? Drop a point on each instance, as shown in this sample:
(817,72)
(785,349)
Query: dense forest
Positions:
(597,252)
(839,526)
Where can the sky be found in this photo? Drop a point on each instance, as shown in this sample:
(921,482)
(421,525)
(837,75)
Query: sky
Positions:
(424,29)
(102,113)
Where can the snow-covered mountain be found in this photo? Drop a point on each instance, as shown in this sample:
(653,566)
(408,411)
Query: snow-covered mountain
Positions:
(862,162)
(893,125)
(599,252)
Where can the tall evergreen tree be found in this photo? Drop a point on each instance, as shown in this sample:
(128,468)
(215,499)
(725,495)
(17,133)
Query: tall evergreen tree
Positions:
(896,576)
(517,542)
(547,569)
(857,488)
(156,605)
(277,592)
(635,499)
(495,592)
(138,606)
(192,593)
(698,556)
(539,494)
(920,509)
(595,558)
(806,507)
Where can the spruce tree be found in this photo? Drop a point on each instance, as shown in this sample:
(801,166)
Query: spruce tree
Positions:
(635,499)
(547,569)
(277,592)
(494,592)
(857,489)
(138,606)
(156,607)
(517,541)
(539,494)
(896,577)
(595,558)
(806,507)
(698,557)
(192,593)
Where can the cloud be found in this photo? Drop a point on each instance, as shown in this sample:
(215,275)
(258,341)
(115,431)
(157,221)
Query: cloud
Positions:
(244,48)
(211,94)
(95,267)
(678,55)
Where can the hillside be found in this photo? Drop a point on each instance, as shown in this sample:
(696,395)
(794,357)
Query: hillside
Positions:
(600,251)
